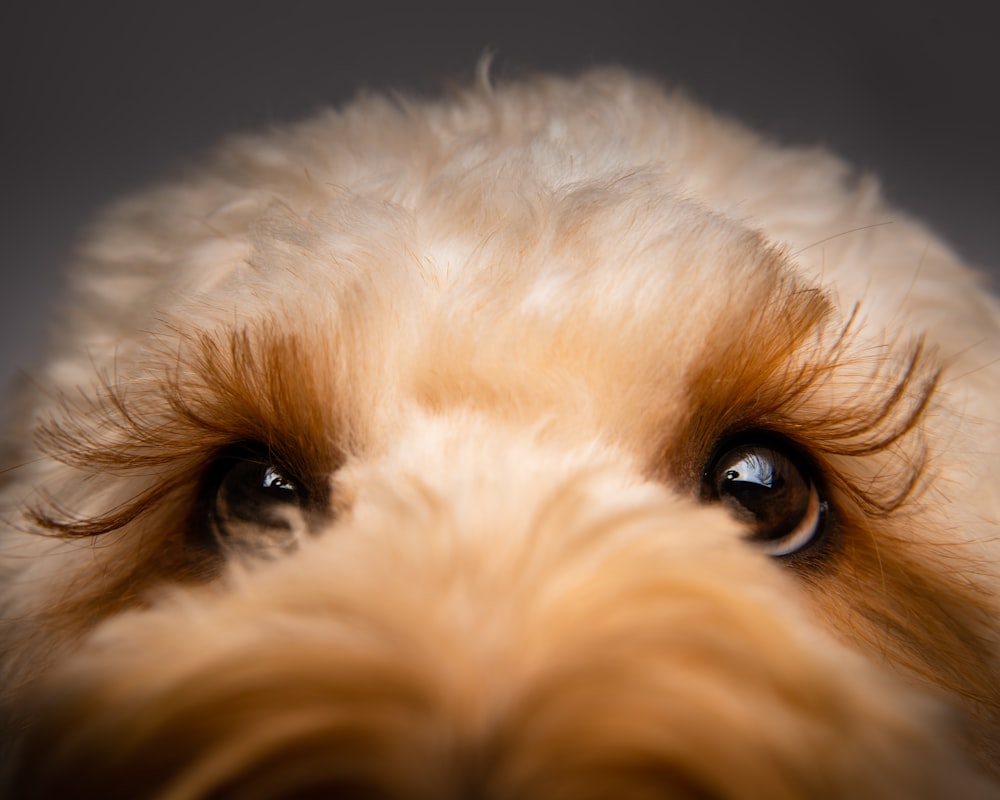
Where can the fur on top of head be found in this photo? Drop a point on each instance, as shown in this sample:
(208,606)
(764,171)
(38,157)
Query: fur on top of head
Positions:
(557,439)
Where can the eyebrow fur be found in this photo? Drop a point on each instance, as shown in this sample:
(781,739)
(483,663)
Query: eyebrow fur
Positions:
(221,389)
(777,375)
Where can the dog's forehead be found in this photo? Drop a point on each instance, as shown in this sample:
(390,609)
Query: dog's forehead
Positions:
(596,305)
(599,199)
(518,282)
(640,253)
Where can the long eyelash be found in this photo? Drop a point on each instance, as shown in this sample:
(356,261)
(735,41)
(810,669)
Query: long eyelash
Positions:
(51,516)
(782,389)
(884,416)
(232,390)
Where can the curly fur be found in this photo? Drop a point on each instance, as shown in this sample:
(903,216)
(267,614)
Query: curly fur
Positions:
(500,335)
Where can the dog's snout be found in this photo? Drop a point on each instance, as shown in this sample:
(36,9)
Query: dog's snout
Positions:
(413,667)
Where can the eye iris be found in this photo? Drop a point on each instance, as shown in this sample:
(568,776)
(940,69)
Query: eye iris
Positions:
(274,482)
(250,491)
(764,487)
(254,508)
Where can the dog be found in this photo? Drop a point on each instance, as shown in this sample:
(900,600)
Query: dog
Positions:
(550,439)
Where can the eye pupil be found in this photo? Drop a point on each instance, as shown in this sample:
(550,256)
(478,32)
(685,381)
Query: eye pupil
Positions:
(764,486)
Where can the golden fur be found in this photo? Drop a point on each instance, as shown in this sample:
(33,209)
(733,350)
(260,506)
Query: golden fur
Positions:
(496,339)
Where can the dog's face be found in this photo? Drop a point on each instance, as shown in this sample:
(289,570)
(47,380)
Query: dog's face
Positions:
(557,441)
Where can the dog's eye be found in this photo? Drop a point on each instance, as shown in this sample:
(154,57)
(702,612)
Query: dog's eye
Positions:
(256,506)
(766,486)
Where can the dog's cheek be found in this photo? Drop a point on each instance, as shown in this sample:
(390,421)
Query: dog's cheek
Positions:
(885,591)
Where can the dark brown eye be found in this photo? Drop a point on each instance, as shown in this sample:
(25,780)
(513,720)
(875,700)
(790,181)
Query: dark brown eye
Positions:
(254,505)
(764,485)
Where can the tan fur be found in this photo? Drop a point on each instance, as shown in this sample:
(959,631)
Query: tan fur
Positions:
(501,335)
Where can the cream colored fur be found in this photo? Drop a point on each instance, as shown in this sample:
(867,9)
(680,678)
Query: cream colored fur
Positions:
(508,328)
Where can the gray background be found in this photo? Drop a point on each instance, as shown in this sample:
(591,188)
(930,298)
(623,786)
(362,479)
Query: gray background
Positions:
(101,97)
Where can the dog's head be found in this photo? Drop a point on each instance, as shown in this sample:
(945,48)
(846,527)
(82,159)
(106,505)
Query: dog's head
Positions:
(559,440)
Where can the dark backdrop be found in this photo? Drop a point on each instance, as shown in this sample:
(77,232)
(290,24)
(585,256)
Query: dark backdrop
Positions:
(99,97)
